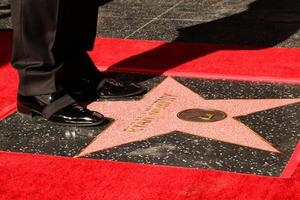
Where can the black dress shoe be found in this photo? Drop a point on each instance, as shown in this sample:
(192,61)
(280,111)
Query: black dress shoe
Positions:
(107,88)
(113,89)
(58,108)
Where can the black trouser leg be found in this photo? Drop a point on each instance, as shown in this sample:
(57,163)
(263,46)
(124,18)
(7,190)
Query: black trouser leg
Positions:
(48,36)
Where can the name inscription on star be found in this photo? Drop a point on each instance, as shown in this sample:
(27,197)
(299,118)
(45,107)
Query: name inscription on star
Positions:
(157,114)
(151,113)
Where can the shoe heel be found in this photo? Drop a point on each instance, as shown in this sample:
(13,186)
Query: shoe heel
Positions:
(25,111)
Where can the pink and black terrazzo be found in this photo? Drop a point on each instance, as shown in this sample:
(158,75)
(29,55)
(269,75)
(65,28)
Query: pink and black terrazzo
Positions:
(278,127)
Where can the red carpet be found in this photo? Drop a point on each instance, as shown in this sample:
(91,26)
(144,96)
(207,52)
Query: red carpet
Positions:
(25,176)
(8,77)
(33,177)
(198,60)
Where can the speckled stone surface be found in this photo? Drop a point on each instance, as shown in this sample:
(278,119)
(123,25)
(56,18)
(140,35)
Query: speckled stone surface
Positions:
(185,150)
(19,134)
(244,22)
(264,23)
(280,126)
(5,20)
(157,113)
(224,89)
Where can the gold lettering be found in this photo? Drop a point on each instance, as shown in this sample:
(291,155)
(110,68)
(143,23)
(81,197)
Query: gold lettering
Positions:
(151,112)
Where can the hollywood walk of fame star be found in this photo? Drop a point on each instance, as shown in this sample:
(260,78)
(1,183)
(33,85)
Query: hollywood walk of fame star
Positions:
(156,114)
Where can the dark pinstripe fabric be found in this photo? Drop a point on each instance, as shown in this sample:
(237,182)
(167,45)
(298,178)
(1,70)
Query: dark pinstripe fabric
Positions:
(51,38)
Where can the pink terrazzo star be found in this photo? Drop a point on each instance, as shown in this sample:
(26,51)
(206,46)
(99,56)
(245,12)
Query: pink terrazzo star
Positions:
(156,114)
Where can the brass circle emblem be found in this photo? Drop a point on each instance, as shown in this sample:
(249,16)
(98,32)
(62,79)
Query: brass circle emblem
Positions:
(201,115)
